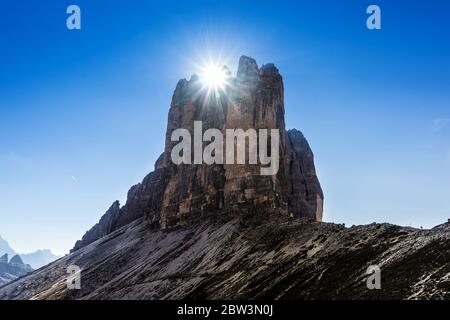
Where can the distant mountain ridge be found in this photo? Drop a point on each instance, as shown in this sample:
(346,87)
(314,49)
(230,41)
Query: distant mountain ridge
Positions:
(12,269)
(35,259)
(5,247)
(39,258)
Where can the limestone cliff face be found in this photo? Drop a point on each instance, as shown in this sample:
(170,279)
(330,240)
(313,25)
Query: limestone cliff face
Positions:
(305,195)
(174,195)
(256,101)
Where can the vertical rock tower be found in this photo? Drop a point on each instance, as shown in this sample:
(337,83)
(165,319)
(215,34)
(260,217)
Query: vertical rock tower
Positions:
(176,194)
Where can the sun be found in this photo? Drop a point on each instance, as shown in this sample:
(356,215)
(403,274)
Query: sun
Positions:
(213,77)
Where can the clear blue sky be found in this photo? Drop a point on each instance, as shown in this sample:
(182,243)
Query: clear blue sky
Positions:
(83,113)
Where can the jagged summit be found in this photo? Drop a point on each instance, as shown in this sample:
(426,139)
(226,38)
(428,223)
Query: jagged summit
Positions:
(12,269)
(247,69)
(174,195)
(16,260)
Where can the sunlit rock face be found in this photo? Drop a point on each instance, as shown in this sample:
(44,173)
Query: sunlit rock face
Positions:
(174,195)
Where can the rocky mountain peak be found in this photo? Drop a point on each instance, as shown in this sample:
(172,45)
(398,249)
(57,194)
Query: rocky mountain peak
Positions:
(13,269)
(5,247)
(16,260)
(247,69)
(269,69)
(174,195)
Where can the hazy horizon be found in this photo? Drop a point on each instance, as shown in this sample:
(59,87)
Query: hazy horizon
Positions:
(83,113)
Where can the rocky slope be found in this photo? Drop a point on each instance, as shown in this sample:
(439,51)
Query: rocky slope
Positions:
(263,256)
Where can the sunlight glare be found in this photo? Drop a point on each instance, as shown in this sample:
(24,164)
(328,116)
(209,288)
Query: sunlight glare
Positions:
(213,77)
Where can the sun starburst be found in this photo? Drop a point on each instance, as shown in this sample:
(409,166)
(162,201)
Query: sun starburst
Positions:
(214,77)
